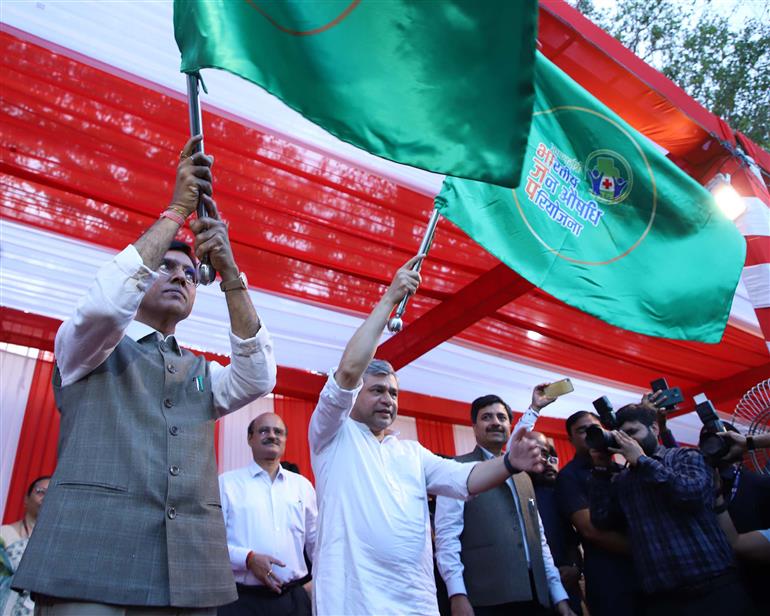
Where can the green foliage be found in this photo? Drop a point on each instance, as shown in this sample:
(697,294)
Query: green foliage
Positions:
(717,57)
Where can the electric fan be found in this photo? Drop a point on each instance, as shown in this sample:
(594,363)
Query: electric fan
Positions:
(752,416)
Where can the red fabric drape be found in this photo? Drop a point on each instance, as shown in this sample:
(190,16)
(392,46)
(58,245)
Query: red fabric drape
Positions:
(296,415)
(438,436)
(302,223)
(36,452)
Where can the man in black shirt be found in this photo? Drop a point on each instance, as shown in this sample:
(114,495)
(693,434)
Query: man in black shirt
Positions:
(561,537)
(608,569)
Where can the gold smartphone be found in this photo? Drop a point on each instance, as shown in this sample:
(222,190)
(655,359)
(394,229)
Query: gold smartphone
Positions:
(559,388)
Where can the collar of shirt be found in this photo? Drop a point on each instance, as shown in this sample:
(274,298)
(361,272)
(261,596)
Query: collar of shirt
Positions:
(365,429)
(255,469)
(138,330)
(487,454)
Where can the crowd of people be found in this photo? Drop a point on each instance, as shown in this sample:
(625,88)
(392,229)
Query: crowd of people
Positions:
(136,521)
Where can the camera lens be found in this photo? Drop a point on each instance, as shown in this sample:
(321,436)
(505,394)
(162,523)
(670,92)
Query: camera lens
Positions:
(713,446)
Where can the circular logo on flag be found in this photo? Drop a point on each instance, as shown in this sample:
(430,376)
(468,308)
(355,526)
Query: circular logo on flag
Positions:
(609,176)
(326,15)
(574,177)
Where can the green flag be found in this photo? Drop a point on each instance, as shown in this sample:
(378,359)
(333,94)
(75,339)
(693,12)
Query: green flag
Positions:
(605,222)
(441,85)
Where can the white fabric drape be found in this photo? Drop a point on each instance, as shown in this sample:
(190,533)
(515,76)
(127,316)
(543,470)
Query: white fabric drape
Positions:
(17,365)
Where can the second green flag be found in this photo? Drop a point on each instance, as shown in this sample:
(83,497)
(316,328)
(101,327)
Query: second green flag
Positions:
(605,222)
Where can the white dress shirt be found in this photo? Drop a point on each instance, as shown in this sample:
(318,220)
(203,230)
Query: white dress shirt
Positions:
(449,526)
(276,518)
(374,551)
(107,312)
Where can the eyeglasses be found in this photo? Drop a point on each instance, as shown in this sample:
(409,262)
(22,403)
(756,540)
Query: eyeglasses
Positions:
(547,458)
(40,491)
(168,267)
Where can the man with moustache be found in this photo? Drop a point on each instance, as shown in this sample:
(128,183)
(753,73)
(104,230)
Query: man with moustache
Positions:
(666,498)
(132,521)
(610,580)
(374,544)
(270,517)
(562,538)
(492,551)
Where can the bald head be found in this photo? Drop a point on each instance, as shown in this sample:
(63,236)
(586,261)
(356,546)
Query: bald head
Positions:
(267,437)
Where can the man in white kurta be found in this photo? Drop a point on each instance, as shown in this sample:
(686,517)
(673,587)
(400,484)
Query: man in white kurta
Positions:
(373,553)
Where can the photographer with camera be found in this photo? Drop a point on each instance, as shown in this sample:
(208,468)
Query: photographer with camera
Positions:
(743,500)
(665,498)
(607,566)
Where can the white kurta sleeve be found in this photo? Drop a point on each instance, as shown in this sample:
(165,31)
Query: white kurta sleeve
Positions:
(333,408)
(250,375)
(88,337)
(445,477)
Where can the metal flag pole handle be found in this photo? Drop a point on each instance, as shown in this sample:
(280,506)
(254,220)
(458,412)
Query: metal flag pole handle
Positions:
(396,324)
(206,273)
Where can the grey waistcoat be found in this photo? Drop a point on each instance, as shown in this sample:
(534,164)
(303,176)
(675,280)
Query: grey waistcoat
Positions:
(492,551)
(132,515)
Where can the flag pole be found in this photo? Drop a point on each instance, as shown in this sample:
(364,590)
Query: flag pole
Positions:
(396,324)
(206,273)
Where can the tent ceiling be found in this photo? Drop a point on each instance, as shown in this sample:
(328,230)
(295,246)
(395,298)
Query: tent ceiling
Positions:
(90,155)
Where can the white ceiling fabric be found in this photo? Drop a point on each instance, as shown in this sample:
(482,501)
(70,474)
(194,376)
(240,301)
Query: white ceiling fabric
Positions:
(50,279)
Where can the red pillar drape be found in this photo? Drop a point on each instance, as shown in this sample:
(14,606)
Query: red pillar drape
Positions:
(36,451)
(296,415)
(438,436)
(564,449)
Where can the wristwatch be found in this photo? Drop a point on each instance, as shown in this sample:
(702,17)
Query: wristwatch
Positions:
(508,466)
(750,445)
(236,283)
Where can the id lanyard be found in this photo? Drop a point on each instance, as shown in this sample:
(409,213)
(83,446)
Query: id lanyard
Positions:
(736,481)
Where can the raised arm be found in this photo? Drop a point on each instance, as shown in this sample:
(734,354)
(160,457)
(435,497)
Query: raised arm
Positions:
(87,338)
(361,347)
(532,414)
(339,393)
(252,369)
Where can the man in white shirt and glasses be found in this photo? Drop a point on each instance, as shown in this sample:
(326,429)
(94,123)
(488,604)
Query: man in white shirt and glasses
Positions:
(270,517)
(492,552)
(374,551)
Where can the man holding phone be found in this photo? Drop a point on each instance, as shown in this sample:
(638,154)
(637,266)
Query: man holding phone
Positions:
(501,527)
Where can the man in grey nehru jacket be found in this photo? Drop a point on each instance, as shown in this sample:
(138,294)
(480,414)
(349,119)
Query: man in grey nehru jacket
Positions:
(133,522)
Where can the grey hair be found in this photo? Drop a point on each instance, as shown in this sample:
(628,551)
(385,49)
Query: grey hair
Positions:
(379,367)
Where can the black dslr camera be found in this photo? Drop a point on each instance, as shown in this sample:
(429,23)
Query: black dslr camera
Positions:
(713,446)
(596,436)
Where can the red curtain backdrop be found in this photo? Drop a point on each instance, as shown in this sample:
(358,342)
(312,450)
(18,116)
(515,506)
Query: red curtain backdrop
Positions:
(296,415)
(438,436)
(36,452)
(564,448)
